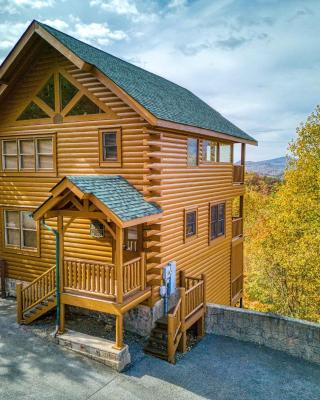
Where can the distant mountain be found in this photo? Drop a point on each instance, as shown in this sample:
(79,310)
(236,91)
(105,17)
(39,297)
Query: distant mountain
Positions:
(274,167)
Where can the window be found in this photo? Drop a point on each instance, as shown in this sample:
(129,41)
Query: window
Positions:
(191,228)
(46,94)
(225,150)
(67,91)
(110,147)
(28,154)
(193,152)
(32,111)
(85,107)
(20,230)
(217,220)
(210,151)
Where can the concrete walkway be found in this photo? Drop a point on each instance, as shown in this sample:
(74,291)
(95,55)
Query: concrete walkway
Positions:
(217,368)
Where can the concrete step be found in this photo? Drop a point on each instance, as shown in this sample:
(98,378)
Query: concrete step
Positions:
(96,348)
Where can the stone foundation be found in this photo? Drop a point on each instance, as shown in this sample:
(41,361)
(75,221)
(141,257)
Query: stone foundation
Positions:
(11,286)
(100,350)
(296,337)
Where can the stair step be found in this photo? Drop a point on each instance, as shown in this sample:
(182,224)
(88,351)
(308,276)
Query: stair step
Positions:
(155,352)
(156,339)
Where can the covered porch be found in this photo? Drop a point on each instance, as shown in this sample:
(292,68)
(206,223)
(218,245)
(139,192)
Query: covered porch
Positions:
(116,208)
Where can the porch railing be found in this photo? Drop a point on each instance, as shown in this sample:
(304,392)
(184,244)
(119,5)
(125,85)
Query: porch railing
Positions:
(238,174)
(90,277)
(237,227)
(194,299)
(133,275)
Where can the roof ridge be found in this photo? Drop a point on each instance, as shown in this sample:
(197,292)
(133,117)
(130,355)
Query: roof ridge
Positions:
(115,57)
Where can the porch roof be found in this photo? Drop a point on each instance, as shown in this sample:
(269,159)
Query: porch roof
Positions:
(117,194)
(113,193)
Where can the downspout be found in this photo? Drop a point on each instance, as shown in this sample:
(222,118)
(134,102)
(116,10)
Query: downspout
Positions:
(56,234)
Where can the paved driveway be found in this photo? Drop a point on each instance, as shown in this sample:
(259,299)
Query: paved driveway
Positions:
(217,368)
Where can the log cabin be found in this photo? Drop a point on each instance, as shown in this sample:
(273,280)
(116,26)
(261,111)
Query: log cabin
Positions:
(110,174)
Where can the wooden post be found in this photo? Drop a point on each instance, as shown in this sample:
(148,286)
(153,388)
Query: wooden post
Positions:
(182,279)
(3,275)
(183,340)
(201,322)
(61,271)
(119,332)
(143,270)
(243,153)
(62,318)
(170,343)
(119,263)
(19,302)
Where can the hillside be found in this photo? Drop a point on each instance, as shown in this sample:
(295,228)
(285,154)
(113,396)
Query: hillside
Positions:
(274,167)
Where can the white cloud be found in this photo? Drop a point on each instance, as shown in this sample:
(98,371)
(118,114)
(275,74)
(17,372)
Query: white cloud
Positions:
(56,23)
(15,6)
(10,32)
(97,31)
(122,7)
(177,3)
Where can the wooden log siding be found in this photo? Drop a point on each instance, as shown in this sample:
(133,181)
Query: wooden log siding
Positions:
(153,160)
(77,153)
(175,186)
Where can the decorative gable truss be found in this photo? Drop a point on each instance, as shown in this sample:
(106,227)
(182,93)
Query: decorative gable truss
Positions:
(60,98)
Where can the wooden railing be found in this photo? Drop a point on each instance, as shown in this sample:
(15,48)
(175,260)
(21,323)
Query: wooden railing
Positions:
(133,275)
(89,277)
(189,309)
(238,174)
(175,326)
(237,227)
(194,299)
(36,292)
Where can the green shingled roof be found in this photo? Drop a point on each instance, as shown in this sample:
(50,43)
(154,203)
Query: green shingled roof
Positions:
(162,98)
(117,194)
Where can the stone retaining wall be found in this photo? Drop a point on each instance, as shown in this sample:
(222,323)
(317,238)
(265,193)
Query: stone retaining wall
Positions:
(296,337)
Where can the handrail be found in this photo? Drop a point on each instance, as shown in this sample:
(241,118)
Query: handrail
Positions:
(175,324)
(35,292)
(189,309)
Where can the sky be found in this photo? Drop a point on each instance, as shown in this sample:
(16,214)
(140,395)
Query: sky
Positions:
(257,62)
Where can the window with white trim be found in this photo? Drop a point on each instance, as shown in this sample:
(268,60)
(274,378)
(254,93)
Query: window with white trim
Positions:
(20,230)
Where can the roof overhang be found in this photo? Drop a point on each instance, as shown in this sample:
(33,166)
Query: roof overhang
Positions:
(66,192)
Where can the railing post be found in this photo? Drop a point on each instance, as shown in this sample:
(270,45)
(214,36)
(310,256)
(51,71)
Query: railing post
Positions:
(182,279)
(143,270)
(119,264)
(201,322)
(171,358)
(183,340)
(19,302)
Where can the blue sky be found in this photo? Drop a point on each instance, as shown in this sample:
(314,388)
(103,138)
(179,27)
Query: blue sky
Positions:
(255,61)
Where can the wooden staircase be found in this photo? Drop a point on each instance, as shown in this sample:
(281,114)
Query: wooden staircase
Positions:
(170,332)
(37,298)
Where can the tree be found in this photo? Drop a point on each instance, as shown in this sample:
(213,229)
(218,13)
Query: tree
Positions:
(283,263)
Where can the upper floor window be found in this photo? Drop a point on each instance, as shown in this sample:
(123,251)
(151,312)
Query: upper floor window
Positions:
(210,151)
(191,223)
(61,96)
(28,154)
(192,152)
(225,152)
(110,147)
(20,230)
(217,220)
